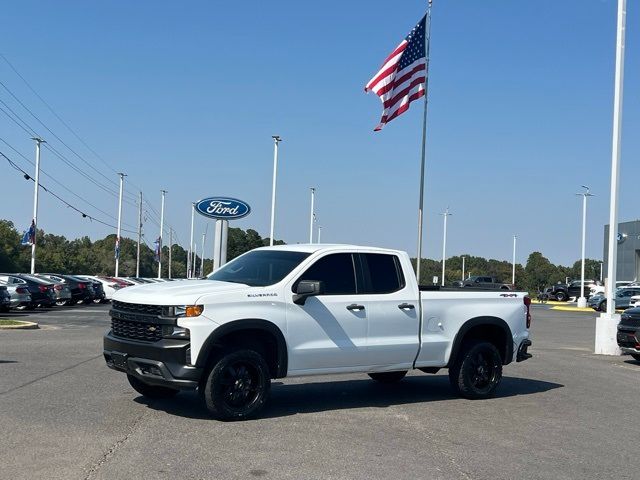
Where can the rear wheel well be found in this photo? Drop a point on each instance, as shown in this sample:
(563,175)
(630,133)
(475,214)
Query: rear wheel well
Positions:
(490,329)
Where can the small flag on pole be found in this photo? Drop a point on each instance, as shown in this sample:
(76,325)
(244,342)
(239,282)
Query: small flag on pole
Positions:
(29,236)
(157,243)
(117,249)
(403,75)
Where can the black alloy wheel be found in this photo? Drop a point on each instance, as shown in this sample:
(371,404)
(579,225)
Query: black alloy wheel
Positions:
(477,371)
(388,377)
(237,386)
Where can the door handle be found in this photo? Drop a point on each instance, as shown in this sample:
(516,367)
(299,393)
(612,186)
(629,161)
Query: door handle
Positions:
(354,306)
(406,306)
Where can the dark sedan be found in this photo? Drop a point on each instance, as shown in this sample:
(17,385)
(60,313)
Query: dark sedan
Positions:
(81,290)
(629,333)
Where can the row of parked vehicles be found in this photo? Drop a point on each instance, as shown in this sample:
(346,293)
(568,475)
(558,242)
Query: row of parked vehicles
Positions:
(22,291)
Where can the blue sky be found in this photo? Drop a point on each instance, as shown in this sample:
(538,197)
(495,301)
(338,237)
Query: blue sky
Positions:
(186,95)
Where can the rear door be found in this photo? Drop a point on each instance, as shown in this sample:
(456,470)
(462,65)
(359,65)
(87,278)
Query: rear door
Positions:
(393,311)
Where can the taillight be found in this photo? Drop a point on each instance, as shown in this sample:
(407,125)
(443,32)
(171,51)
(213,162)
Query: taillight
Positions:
(22,290)
(42,288)
(527,303)
(58,286)
(81,286)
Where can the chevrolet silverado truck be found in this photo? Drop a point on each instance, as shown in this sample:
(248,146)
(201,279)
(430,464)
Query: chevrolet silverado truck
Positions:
(296,310)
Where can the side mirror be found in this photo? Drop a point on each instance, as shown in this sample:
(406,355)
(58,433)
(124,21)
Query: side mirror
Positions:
(307,288)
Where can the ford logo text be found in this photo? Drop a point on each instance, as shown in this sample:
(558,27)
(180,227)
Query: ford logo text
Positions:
(223,208)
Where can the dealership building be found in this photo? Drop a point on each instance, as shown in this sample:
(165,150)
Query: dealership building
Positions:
(628,250)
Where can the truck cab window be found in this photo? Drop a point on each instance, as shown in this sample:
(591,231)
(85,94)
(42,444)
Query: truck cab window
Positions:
(382,273)
(336,271)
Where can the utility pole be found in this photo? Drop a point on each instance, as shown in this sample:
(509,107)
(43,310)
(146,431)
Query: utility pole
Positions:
(35,204)
(189,262)
(139,235)
(312,215)
(117,253)
(276,141)
(161,227)
(170,248)
(444,243)
(513,263)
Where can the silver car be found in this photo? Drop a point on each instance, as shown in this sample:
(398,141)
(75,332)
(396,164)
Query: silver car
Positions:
(20,296)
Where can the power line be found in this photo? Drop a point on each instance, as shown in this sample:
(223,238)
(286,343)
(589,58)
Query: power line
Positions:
(84,215)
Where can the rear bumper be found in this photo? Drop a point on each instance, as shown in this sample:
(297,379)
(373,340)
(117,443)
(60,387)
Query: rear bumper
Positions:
(163,363)
(523,353)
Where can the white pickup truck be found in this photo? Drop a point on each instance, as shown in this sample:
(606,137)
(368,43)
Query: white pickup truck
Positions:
(299,310)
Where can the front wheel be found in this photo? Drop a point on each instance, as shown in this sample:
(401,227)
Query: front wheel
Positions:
(561,296)
(150,391)
(237,386)
(477,371)
(603,306)
(388,377)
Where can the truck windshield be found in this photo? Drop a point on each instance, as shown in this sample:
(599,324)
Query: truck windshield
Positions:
(259,268)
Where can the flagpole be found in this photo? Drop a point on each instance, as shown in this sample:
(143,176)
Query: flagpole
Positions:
(35,204)
(427,42)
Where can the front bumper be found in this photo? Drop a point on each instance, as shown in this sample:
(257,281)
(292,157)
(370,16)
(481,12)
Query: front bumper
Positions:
(163,363)
(628,339)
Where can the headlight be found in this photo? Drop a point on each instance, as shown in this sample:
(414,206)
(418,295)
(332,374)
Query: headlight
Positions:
(182,311)
(173,331)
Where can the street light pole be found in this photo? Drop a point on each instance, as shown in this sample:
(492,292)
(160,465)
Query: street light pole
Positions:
(444,243)
(117,253)
(36,188)
(161,227)
(463,259)
(312,215)
(513,266)
(276,141)
(582,301)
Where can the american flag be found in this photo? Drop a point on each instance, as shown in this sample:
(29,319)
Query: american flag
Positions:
(403,75)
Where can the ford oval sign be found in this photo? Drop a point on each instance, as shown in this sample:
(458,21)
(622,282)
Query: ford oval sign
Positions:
(223,208)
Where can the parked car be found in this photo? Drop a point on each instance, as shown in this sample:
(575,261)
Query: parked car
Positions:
(41,290)
(622,299)
(629,333)
(81,290)
(486,282)
(563,291)
(20,296)
(5,299)
(109,285)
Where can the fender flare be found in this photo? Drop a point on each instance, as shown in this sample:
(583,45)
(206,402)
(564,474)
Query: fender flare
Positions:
(247,324)
(477,321)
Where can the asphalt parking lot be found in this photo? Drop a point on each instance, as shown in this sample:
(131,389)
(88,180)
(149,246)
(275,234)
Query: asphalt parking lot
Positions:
(565,414)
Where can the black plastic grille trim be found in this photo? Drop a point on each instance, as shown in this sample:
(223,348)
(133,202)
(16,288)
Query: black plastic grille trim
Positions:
(148,332)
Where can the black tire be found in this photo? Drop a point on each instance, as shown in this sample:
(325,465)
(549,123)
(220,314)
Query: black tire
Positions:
(388,377)
(238,385)
(150,391)
(477,371)
(561,296)
(636,356)
(603,306)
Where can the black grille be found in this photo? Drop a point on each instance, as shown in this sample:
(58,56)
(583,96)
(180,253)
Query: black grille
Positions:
(138,308)
(149,332)
(629,321)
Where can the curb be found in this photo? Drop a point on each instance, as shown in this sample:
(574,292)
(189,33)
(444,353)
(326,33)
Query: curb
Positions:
(577,309)
(23,326)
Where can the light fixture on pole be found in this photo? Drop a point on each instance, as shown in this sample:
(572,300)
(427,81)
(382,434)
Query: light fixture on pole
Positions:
(445,214)
(312,215)
(117,247)
(276,141)
(160,237)
(607,323)
(513,263)
(36,188)
(582,301)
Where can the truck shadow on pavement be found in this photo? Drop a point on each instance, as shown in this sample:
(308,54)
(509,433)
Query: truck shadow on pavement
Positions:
(313,397)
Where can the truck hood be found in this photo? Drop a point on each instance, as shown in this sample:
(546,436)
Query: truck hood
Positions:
(185,292)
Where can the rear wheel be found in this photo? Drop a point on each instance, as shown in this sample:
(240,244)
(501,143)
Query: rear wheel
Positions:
(150,391)
(388,377)
(237,386)
(477,371)
(561,296)
(603,306)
